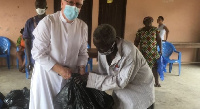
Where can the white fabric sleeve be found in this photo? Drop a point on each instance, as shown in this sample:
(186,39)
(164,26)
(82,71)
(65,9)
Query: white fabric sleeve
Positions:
(83,55)
(41,46)
(112,82)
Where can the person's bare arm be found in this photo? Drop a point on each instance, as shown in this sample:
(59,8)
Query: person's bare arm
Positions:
(167,31)
(137,40)
(28,53)
(159,41)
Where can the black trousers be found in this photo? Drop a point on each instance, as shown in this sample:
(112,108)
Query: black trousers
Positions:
(151,107)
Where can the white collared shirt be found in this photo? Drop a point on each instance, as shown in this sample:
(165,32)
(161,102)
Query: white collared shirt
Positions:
(129,76)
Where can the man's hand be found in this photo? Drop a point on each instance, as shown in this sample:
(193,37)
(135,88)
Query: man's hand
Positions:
(20,48)
(65,73)
(29,66)
(82,70)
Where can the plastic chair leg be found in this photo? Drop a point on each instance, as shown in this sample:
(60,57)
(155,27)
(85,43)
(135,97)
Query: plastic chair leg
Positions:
(86,68)
(90,64)
(179,69)
(8,62)
(90,67)
(170,67)
(17,63)
(26,70)
(27,73)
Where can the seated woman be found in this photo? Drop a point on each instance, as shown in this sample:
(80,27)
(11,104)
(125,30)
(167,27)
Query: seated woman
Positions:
(20,52)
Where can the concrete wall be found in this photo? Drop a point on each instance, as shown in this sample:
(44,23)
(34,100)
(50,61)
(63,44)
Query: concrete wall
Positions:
(181,17)
(13,16)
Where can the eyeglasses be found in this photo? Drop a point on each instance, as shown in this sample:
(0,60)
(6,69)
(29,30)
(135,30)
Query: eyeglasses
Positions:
(71,3)
(108,49)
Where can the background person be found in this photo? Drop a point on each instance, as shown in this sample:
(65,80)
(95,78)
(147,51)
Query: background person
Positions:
(162,28)
(148,38)
(20,53)
(41,6)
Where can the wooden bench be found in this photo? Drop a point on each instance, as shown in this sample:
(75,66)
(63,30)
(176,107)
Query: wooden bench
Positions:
(189,45)
(93,53)
(186,45)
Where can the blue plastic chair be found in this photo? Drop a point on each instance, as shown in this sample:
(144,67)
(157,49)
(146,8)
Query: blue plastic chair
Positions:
(17,60)
(89,61)
(167,50)
(26,69)
(5,49)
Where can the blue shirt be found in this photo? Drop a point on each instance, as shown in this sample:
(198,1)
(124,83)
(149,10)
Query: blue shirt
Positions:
(28,29)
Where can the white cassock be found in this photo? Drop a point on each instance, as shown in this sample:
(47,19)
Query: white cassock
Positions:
(56,41)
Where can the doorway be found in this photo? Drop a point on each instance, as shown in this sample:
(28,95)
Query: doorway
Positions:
(114,14)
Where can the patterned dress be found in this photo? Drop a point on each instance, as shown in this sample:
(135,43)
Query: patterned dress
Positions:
(148,45)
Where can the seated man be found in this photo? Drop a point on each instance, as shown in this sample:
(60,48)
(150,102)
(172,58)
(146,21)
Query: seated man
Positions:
(123,69)
(20,53)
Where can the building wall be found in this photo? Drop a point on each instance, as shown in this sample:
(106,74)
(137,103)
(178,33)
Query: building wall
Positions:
(13,16)
(181,17)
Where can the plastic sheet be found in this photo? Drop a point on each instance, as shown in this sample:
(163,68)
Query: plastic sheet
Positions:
(1,104)
(17,99)
(15,107)
(161,62)
(75,95)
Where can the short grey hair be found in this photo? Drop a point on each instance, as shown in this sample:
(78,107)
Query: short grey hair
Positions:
(105,33)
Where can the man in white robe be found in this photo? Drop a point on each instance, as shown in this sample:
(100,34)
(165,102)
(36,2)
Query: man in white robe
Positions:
(123,69)
(59,49)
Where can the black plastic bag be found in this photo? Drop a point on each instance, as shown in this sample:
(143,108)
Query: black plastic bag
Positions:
(12,97)
(1,96)
(75,95)
(26,93)
(1,100)
(15,107)
(18,99)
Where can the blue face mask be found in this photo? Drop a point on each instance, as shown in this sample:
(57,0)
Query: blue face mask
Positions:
(71,12)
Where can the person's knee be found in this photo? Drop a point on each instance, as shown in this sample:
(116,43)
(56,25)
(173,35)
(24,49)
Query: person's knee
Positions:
(19,53)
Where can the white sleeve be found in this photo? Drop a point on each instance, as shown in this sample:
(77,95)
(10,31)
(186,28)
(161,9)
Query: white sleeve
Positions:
(83,55)
(41,46)
(113,82)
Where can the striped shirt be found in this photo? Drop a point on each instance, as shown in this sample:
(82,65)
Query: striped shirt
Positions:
(129,76)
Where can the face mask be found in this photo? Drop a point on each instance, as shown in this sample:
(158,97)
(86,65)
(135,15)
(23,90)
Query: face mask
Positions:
(40,11)
(109,51)
(71,12)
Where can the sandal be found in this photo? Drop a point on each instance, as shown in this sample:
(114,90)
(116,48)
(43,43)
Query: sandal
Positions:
(157,85)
